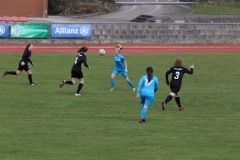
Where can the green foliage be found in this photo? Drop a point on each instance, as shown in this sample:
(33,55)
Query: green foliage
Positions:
(48,122)
(68,7)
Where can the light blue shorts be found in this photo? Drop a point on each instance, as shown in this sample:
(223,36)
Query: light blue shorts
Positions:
(116,72)
(148,100)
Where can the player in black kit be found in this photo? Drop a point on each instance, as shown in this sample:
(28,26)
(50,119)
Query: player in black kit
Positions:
(77,70)
(177,74)
(23,64)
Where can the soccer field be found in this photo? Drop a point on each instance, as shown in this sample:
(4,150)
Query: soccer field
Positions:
(48,122)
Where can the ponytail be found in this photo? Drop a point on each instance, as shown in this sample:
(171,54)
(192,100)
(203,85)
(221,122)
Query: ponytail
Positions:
(149,73)
(26,48)
(82,50)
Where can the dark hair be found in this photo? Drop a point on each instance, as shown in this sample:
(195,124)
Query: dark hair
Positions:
(178,62)
(83,50)
(27,46)
(149,73)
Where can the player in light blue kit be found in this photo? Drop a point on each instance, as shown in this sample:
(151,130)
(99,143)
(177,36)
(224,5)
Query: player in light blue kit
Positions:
(121,67)
(147,86)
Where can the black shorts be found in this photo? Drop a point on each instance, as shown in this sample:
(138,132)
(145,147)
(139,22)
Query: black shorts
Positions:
(175,87)
(77,74)
(25,67)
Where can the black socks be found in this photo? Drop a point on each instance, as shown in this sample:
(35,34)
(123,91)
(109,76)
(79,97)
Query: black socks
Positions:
(30,78)
(177,99)
(168,98)
(69,82)
(12,73)
(79,88)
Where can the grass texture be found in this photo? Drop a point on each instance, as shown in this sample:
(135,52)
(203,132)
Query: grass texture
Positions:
(212,8)
(48,122)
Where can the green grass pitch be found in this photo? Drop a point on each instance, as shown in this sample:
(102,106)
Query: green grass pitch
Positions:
(47,122)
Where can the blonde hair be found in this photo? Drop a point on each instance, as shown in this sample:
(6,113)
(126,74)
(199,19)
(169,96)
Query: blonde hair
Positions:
(118,47)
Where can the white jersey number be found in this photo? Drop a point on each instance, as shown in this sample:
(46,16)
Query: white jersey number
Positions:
(75,62)
(177,74)
(146,82)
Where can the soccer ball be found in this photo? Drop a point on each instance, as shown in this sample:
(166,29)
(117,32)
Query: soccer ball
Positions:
(102,52)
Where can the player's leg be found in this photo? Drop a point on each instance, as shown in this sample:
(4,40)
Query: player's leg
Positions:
(80,85)
(125,75)
(18,72)
(9,72)
(28,70)
(177,99)
(148,101)
(20,68)
(112,81)
(142,106)
(174,91)
(144,113)
(168,98)
(72,81)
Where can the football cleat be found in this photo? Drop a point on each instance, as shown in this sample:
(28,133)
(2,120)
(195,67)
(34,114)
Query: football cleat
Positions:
(62,83)
(111,89)
(143,120)
(33,84)
(5,73)
(181,108)
(77,94)
(163,105)
(140,120)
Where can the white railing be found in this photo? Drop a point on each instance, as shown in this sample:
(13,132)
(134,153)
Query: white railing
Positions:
(155,1)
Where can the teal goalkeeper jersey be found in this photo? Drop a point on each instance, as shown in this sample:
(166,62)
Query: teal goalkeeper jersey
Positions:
(147,88)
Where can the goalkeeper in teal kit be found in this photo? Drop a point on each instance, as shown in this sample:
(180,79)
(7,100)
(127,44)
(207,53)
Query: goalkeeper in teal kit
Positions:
(121,67)
(147,87)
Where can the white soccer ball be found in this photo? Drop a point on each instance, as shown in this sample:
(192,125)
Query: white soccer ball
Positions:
(102,52)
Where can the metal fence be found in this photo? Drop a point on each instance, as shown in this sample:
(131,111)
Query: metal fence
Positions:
(154,1)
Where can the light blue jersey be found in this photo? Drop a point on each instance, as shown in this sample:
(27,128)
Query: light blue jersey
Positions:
(147,89)
(119,59)
(120,68)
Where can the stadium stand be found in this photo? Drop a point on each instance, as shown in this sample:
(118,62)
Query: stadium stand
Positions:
(15,19)
(23,19)
(1,20)
(6,19)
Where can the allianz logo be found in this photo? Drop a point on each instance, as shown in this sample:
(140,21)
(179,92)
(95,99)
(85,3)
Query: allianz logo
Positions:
(2,30)
(64,30)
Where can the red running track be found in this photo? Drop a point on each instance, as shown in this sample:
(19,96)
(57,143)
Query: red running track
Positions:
(127,48)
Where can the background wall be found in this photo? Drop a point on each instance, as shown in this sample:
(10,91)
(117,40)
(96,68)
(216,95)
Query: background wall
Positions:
(27,8)
(150,33)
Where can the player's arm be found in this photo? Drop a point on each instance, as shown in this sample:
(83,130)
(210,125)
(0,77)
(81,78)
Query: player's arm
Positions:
(139,87)
(156,85)
(125,63)
(85,62)
(166,75)
(189,71)
(29,60)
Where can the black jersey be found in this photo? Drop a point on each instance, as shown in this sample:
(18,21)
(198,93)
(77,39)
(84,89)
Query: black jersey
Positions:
(81,58)
(177,74)
(26,57)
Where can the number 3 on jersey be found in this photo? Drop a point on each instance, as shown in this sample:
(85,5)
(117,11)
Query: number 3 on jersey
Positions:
(177,74)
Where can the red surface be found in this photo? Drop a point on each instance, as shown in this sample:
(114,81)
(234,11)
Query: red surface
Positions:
(127,48)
